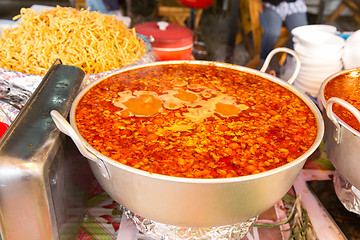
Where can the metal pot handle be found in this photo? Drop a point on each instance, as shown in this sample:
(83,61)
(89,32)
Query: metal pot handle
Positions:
(289,51)
(66,128)
(331,115)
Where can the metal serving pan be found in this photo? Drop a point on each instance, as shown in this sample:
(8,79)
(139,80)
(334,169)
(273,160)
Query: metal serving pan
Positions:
(44,181)
(193,202)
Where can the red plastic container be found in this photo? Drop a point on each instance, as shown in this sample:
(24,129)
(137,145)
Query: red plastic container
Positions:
(169,41)
(197,3)
(3,128)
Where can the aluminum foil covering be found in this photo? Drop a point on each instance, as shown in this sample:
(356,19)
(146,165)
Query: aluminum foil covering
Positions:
(348,195)
(160,231)
(16,88)
(25,81)
(8,113)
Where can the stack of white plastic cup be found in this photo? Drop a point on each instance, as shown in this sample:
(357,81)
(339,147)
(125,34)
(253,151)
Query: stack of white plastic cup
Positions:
(320,51)
(351,57)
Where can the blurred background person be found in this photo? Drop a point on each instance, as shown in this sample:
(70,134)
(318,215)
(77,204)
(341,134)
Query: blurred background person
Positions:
(275,14)
(111,7)
(103,6)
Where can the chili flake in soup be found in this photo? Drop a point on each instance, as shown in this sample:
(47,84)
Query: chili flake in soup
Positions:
(195,121)
(347,87)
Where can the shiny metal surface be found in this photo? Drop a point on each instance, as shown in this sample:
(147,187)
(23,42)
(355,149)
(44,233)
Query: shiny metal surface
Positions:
(197,202)
(342,142)
(43,178)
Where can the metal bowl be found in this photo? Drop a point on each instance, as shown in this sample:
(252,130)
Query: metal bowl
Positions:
(341,141)
(192,202)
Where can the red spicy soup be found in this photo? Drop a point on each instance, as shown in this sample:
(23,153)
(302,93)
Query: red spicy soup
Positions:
(347,87)
(195,121)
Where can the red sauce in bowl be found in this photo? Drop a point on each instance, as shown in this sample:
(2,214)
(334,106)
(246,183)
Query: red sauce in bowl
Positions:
(347,87)
(195,121)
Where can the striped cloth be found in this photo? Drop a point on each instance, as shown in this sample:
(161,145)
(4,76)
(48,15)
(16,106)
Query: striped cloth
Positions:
(285,8)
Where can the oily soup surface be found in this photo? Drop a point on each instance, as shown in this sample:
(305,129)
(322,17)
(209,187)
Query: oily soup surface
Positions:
(347,87)
(195,121)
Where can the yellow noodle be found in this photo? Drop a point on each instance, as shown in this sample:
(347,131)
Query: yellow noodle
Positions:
(92,41)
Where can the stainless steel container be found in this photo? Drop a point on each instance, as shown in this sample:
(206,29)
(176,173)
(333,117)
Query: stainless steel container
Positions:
(44,181)
(193,202)
(342,142)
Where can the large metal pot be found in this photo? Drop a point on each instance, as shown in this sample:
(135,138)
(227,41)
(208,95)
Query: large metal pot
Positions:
(341,141)
(187,201)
